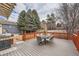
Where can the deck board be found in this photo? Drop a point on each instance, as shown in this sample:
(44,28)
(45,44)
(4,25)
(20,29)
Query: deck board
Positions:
(58,47)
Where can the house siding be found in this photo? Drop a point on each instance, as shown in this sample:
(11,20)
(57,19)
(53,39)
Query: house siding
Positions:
(9,28)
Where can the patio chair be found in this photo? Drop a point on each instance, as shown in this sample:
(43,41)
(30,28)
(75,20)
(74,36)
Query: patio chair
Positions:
(50,38)
(39,40)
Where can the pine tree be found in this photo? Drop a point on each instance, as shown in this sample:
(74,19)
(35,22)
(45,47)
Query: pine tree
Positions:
(36,18)
(31,25)
(21,23)
(28,21)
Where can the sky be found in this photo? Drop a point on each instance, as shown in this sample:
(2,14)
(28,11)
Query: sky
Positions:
(2,17)
(42,8)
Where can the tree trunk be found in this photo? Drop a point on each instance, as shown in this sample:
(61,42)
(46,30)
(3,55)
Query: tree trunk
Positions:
(24,35)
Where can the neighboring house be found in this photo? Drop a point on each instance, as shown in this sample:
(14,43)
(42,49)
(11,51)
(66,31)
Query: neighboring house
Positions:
(8,27)
(50,25)
(60,25)
(5,11)
(43,23)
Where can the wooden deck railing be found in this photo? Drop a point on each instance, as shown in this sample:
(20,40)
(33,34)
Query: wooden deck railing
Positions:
(56,34)
(32,35)
(62,35)
(28,36)
(75,39)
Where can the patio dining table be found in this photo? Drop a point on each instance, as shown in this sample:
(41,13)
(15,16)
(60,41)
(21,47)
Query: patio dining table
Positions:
(44,38)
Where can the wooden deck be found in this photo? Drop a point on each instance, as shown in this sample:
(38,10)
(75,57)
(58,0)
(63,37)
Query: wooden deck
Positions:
(58,47)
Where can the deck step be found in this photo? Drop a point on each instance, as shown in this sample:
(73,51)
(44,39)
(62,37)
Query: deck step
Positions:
(8,50)
(19,42)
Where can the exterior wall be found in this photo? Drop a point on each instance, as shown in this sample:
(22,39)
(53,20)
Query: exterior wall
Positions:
(8,28)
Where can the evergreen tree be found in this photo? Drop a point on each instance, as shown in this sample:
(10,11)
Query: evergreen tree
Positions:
(28,21)
(36,19)
(21,23)
(51,18)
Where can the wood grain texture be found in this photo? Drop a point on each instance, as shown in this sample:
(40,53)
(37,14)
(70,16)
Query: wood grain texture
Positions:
(58,47)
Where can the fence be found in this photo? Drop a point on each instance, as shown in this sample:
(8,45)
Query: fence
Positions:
(32,35)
